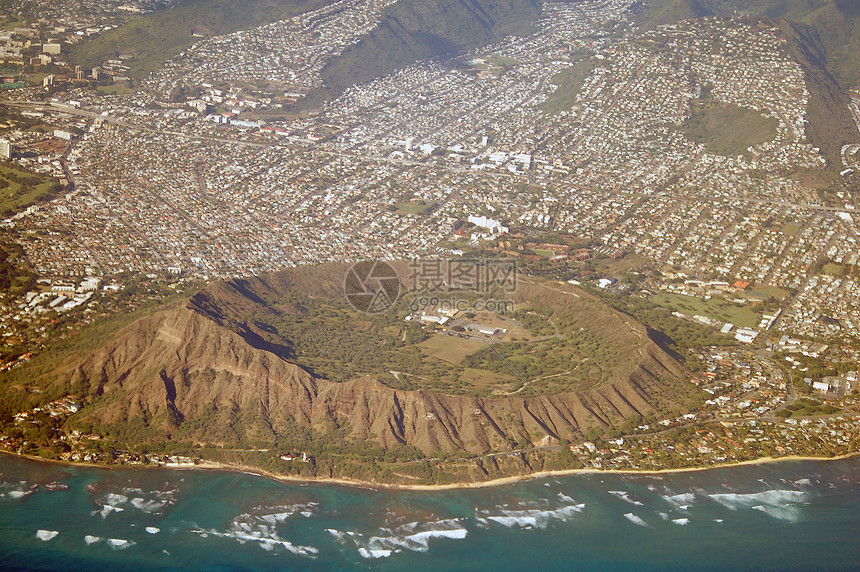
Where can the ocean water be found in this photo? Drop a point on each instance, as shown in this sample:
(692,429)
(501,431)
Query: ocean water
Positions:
(793,515)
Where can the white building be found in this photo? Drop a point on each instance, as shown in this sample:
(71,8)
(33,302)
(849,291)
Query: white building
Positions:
(746,335)
(492,225)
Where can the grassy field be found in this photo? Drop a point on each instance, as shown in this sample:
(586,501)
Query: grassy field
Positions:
(35,78)
(10,22)
(19,189)
(451,349)
(116,89)
(727,129)
(481,378)
(413,208)
(569,82)
(834,269)
(503,62)
(766,292)
(718,309)
(790,228)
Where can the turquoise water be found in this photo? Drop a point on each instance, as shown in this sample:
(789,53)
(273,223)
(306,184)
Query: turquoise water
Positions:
(794,515)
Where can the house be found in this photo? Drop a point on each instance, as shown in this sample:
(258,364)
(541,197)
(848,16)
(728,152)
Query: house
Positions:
(746,335)
(606,282)
(485,330)
(821,385)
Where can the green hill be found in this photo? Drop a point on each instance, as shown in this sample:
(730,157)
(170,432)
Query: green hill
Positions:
(824,38)
(727,129)
(569,82)
(155,38)
(830,123)
(835,24)
(674,11)
(837,27)
(410,30)
(413,29)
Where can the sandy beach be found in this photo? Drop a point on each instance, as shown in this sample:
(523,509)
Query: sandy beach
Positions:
(240,469)
(503,480)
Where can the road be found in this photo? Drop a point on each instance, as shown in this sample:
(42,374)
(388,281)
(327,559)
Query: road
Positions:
(40,106)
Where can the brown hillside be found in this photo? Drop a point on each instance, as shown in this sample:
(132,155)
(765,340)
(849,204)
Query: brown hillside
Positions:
(171,368)
(201,373)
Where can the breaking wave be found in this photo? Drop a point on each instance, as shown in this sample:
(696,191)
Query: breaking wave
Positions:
(17,490)
(635,519)
(625,496)
(119,543)
(128,498)
(680,501)
(46,535)
(733,501)
(530,515)
(778,504)
(413,536)
(259,526)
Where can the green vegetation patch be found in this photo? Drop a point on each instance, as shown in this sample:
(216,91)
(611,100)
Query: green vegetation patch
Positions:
(335,342)
(728,129)
(20,189)
(673,11)
(677,334)
(765,292)
(577,362)
(790,228)
(481,378)
(716,308)
(412,30)
(535,323)
(450,348)
(155,38)
(504,62)
(115,89)
(833,269)
(569,82)
(805,407)
(9,22)
(414,207)
(16,273)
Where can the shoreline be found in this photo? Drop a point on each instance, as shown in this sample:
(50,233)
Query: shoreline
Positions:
(369,485)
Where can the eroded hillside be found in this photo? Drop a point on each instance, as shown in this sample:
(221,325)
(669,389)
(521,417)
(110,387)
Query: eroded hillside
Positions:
(213,372)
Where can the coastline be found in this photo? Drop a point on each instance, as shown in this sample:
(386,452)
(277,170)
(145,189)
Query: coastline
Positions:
(501,481)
